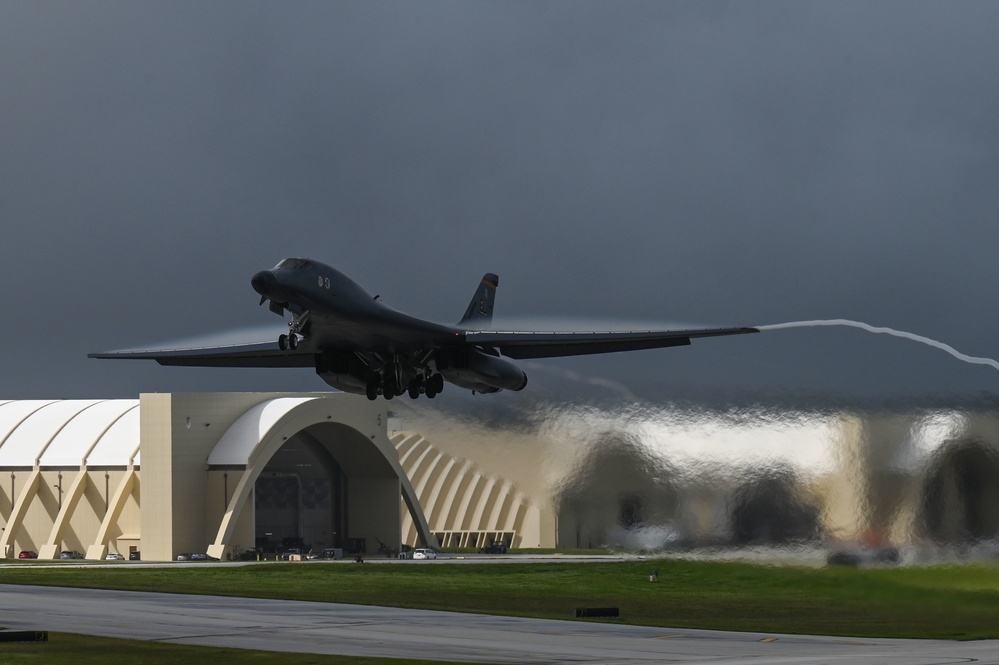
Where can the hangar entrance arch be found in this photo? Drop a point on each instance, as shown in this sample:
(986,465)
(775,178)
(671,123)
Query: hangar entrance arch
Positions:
(302,497)
(300,469)
(299,499)
(960,499)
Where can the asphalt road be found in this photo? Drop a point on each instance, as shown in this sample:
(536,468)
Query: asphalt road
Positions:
(333,628)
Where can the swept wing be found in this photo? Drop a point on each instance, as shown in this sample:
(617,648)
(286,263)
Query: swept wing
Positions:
(256,354)
(512,344)
(523,345)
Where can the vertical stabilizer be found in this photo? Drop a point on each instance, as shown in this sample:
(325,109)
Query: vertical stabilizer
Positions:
(480,311)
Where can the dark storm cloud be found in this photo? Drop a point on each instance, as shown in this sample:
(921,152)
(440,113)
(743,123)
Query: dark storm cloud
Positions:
(672,162)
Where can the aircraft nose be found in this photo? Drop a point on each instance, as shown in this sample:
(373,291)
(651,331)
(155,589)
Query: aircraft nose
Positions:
(264,282)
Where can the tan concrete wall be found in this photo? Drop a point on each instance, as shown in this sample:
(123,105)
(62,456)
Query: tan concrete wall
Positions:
(221,486)
(84,518)
(178,431)
(6,499)
(175,504)
(467,504)
(156,450)
(11,490)
(40,515)
(127,529)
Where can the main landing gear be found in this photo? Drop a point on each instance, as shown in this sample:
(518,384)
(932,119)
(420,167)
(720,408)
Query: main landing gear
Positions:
(388,387)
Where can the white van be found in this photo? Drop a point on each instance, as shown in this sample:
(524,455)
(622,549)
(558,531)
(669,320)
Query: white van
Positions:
(424,553)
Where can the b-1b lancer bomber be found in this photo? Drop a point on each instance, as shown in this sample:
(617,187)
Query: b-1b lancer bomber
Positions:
(358,344)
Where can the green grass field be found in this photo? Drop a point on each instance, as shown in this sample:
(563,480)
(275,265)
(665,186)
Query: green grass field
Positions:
(958,602)
(83,650)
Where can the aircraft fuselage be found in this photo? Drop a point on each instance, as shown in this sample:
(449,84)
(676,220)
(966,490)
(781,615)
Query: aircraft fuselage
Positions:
(358,344)
(359,341)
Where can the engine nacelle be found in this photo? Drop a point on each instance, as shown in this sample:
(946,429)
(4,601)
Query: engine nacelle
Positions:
(478,369)
(343,371)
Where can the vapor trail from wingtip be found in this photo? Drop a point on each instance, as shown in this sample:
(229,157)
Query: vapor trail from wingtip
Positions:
(881,330)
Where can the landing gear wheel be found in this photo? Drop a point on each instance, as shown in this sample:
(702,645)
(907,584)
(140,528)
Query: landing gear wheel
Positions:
(414,388)
(388,387)
(371,390)
(292,341)
(438,382)
(283,342)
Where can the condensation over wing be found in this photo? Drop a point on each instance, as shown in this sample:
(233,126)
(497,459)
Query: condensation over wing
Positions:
(522,345)
(257,354)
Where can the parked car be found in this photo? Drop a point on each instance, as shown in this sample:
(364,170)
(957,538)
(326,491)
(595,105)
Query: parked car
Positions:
(70,554)
(135,556)
(424,553)
(495,547)
(27,554)
(863,557)
(249,554)
(287,554)
(114,556)
(201,556)
(195,556)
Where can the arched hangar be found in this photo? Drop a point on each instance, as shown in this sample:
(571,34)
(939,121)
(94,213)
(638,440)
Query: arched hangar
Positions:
(218,473)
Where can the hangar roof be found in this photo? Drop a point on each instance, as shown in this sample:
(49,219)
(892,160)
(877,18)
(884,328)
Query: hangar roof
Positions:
(65,432)
(236,445)
(119,444)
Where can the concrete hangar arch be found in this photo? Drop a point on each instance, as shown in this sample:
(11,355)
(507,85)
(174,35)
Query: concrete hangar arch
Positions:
(200,459)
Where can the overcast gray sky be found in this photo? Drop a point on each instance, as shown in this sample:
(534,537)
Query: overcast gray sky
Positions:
(677,163)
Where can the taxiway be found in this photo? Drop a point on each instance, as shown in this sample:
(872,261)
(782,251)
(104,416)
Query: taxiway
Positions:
(333,628)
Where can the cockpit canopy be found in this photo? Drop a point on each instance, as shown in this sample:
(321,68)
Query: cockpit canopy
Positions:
(293,264)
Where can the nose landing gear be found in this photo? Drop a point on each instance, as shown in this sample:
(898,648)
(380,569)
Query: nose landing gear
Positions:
(296,328)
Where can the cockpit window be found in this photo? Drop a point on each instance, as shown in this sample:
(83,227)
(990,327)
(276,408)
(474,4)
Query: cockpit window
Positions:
(293,264)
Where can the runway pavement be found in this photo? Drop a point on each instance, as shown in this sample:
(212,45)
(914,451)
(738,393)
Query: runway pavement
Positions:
(333,628)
